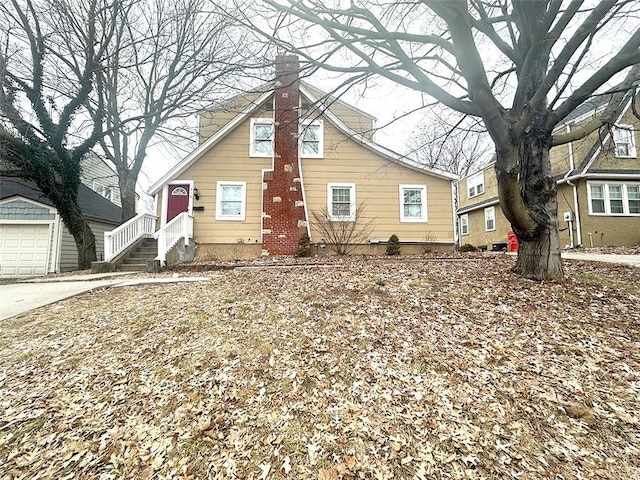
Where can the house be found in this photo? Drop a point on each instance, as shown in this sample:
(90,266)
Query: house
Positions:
(598,184)
(269,160)
(33,238)
(100,177)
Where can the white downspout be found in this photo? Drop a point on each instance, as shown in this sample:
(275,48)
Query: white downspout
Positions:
(577,210)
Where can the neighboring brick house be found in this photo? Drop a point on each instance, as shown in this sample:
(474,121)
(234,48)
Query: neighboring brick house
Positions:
(598,181)
(269,159)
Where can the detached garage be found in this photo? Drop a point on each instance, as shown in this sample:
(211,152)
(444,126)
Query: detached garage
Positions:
(33,238)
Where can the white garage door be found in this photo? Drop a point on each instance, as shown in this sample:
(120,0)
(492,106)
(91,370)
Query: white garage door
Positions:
(23,250)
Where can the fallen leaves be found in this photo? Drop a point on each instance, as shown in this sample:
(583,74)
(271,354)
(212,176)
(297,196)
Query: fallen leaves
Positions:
(369,369)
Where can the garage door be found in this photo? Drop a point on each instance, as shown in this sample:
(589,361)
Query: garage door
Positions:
(23,250)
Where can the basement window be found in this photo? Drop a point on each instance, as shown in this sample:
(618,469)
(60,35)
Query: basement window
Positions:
(231,201)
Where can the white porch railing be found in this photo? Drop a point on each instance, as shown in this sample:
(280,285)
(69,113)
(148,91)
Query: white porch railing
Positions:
(179,227)
(116,241)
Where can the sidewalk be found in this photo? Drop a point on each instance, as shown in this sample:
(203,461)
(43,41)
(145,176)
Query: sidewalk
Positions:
(632,260)
(18,298)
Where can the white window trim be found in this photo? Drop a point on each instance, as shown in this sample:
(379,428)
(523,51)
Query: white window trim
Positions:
(475,181)
(607,203)
(304,125)
(100,188)
(252,137)
(352,197)
(423,218)
(488,217)
(464,222)
(632,138)
(243,204)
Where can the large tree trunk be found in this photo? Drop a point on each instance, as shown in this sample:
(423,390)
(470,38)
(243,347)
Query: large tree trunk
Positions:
(528,199)
(79,228)
(127,183)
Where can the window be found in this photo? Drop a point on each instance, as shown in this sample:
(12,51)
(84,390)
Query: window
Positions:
(311,140)
(475,184)
(624,140)
(231,200)
(490,219)
(413,203)
(341,202)
(106,192)
(597,198)
(614,198)
(633,195)
(261,137)
(464,224)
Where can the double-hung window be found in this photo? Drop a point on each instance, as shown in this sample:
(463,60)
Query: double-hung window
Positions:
(624,140)
(413,203)
(341,202)
(490,219)
(311,139)
(231,200)
(103,190)
(475,184)
(261,137)
(614,198)
(464,224)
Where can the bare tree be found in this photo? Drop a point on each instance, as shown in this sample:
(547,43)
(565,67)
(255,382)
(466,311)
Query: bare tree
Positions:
(344,236)
(167,60)
(454,148)
(43,87)
(520,66)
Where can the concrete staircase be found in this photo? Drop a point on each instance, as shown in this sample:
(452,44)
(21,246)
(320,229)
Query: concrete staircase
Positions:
(136,260)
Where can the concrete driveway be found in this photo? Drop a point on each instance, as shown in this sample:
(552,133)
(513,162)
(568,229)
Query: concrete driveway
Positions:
(18,298)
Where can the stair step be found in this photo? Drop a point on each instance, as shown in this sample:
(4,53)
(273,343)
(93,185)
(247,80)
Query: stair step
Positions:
(132,267)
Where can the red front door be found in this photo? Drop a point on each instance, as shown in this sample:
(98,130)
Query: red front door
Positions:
(178,200)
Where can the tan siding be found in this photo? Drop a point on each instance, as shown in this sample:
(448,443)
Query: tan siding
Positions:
(478,236)
(606,230)
(607,159)
(377,188)
(377,185)
(212,121)
(490,189)
(228,161)
(560,159)
(354,119)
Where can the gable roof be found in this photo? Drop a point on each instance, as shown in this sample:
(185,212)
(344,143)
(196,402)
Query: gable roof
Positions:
(91,203)
(205,146)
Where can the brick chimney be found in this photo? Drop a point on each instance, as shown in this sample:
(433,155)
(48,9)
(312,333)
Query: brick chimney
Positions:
(284,217)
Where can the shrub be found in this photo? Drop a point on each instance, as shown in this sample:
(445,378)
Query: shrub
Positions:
(467,247)
(393,245)
(343,236)
(304,246)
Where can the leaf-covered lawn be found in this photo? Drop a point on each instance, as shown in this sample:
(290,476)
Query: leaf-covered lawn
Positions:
(363,369)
